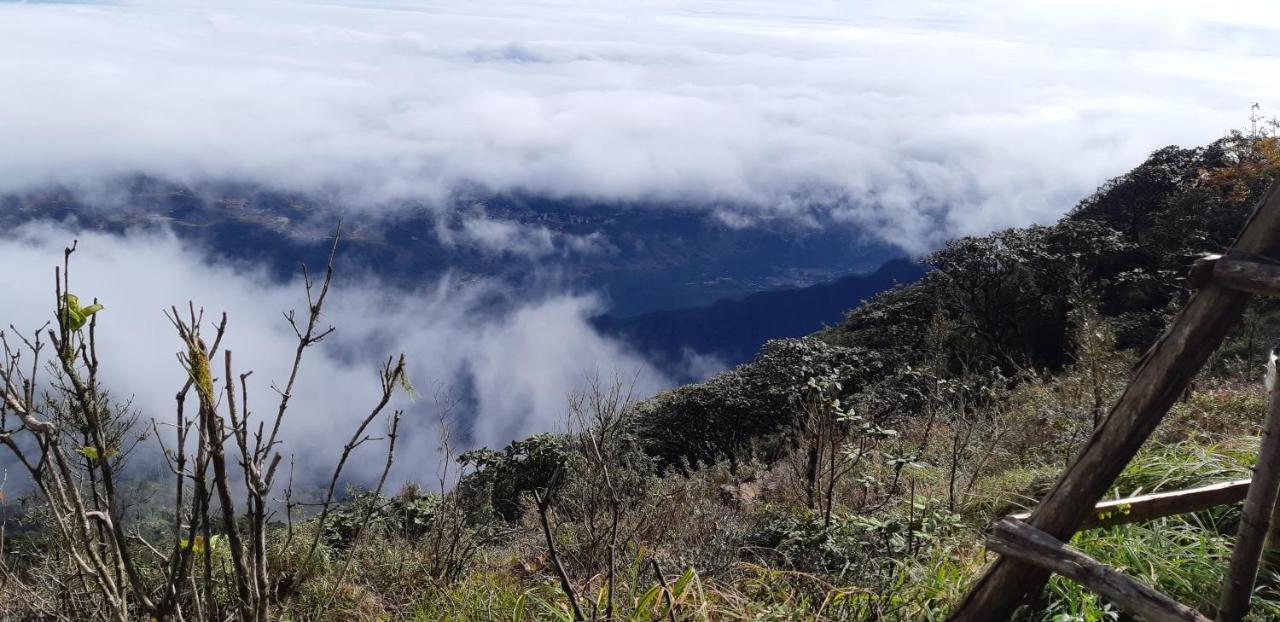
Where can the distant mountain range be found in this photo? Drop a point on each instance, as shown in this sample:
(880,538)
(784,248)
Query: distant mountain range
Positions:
(673,278)
(731,331)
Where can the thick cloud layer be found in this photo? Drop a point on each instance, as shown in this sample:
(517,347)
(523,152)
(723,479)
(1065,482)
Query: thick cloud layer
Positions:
(918,120)
(518,365)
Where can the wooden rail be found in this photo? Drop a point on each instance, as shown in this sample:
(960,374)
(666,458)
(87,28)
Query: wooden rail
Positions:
(1147,507)
(1025,543)
(1243,275)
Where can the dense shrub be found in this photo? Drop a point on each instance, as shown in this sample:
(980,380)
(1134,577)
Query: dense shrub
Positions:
(742,410)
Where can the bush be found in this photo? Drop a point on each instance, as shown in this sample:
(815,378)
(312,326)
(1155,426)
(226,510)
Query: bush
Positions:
(742,411)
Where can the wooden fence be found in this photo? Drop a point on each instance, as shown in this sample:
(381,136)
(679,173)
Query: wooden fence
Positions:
(1033,545)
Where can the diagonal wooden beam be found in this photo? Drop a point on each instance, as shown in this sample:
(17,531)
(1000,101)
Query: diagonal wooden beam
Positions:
(1161,376)
(1019,540)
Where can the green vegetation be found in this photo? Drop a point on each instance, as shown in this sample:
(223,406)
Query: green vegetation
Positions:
(843,476)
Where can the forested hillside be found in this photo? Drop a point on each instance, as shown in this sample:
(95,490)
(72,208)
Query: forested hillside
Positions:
(1014,302)
(843,476)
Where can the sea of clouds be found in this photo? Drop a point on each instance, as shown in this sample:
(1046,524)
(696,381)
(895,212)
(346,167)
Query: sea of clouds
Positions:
(915,121)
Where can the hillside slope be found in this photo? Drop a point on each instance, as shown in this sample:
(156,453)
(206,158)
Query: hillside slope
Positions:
(1007,302)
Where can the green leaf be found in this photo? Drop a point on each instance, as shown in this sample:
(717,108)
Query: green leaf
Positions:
(517,615)
(677,590)
(644,608)
(604,590)
(559,613)
(92,453)
(74,316)
(196,546)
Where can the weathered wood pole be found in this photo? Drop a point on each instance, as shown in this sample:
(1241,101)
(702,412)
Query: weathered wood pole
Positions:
(1255,520)
(1019,540)
(1271,550)
(1161,376)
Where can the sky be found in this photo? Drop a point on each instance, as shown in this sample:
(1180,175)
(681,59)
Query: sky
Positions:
(915,121)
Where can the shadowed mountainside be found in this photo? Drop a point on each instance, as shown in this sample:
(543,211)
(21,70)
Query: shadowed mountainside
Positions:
(732,331)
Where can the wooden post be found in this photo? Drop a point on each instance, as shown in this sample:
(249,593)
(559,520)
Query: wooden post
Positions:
(1271,550)
(1161,376)
(1254,521)
(1201,272)
(1019,540)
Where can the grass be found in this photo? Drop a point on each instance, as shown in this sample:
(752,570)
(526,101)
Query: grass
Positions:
(766,558)
(1183,556)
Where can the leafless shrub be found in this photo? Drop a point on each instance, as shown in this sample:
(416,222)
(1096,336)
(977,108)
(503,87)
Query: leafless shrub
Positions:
(74,441)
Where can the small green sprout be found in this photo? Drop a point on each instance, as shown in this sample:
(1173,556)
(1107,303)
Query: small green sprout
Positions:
(92,453)
(74,316)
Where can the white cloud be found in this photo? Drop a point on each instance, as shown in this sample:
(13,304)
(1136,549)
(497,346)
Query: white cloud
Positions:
(918,120)
(477,229)
(521,363)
